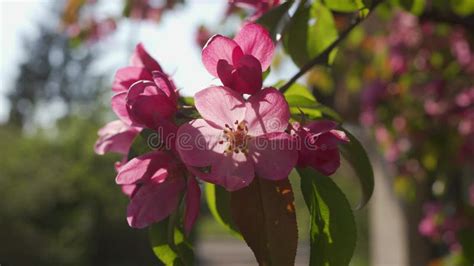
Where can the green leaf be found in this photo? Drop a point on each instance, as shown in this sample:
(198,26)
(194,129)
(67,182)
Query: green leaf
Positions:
(300,99)
(183,248)
(462,7)
(273,18)
(356,155)
(466,239)
(187,100)
(160,244)
(322,30)
(265,214)
(311,30)
(333,232)
(313,110)
(169,245)
(300,90)
(266,73)
(295,39)
(144,142)
(344,5)
(218,201)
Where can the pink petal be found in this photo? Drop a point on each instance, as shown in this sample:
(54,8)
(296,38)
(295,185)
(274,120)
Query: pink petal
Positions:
(142,168)
(115,136)
(143,87)
(232,171)
(267,112)
(274,155)
(125,77)
(341,135)
(154,202)
(141,58)
(166,131)
(325,134)
(320,126)
(245,78)
(220,106)
(331,139)
(150,111)
(147,105)
(119,106)
(198,143)
(202,174)
(326,162)
(129,190)
(249,75)
(320,150)
(255,40)
(224,72)
(193,204)
(163,82)
(219,48)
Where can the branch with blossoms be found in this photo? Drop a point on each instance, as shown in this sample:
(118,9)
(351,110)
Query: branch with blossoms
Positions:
(242,141)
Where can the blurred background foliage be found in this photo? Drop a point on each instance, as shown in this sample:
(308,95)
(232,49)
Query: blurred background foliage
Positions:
(59,204)
(406,77)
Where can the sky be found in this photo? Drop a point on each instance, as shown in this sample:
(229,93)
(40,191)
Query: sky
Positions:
(17,18)
(172,42)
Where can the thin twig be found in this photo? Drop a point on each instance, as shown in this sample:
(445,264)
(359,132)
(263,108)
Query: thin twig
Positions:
(323,57)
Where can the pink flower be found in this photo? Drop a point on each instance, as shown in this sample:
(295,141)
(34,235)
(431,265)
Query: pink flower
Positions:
(159,181)
(150,103)
(145,95)
(318,145)
(237,138)
(239,63)
(427,227)
(142,66)
(115,136)
(147,103)
(398,62)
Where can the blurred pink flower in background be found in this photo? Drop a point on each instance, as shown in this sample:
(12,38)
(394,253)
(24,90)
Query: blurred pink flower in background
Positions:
(259,6)
(202,36)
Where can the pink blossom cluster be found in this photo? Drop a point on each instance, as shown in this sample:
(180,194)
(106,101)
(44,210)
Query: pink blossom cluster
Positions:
(82,24)
(258,6)
(417,48)
(421,110)
(442,223)
(243,130)
(148,9)
(91,30)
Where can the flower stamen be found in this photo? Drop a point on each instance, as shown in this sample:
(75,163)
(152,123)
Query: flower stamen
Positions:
(236,138)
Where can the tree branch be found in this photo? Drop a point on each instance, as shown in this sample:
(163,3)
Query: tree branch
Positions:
(323,57)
